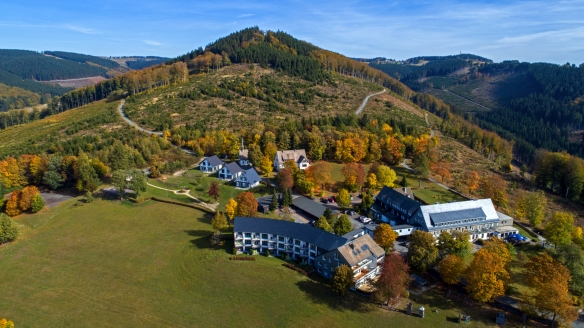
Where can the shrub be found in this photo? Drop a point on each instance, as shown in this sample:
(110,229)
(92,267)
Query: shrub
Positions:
(295,268)
(37,203)
(234,251)
(267,252)
(242,258)
(8,229)
(89,197)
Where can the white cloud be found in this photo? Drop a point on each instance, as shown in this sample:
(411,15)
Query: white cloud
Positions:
(245,15)
(80,29)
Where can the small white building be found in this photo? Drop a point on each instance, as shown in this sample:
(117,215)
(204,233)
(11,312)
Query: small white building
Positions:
(298,156)
(211,164)
(230,172)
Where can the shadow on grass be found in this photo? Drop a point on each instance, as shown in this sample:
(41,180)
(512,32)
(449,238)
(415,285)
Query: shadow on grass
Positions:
(320,293)
(203,238)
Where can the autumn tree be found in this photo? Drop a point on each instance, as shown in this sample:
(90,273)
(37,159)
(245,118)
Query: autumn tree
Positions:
(532,207)
(451,269)
(219,222)
(342,279)
(367,201)
(213,190)
(230,208)
(266,166)
(13,204)
(354,175)
(549,282)
(486,276)
(497,246)
(8,229)
(85,174)
(323,224)
(442,169)
(11,174)
(6,323)
(319,173)
(384,236)
(393,281)
(422,250)
(343,225)
(386,176)
(572,257)
(285,179)
(371,181)
(26,197)
(343,198)
(560,228)
(494,187)
(421,164)
(471,181)
(156,165)
(247,205)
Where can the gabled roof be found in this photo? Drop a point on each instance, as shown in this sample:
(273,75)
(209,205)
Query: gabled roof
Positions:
(304,232)
(252,176)
(233,168)
(359,231)
(309,206)
(360,249)
(214,160)
(459,210)
(287,155)
(389,195)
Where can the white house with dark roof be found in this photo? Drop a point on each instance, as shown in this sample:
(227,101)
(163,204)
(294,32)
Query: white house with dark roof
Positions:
(243,158)
(230,171)
(248,179)
(298,156)
(211,164)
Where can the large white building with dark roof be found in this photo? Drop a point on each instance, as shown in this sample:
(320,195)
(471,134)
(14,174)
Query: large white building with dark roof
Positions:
(478,217)
(298,156)
(314,246)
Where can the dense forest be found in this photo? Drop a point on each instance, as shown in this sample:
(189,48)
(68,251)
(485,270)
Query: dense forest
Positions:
(31,85)
(142,63)
(80,58)
(33,65)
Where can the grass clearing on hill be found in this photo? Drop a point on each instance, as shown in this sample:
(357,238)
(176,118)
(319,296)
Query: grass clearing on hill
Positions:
(152,265)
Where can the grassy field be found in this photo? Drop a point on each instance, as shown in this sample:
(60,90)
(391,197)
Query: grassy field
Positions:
(198,183)
(426,190)
(118,265)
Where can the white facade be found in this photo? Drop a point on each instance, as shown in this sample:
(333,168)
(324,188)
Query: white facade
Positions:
(276,244)
(207,167)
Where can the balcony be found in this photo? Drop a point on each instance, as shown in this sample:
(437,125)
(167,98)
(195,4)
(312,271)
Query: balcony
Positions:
(362,274)
(238,243)
(238,237)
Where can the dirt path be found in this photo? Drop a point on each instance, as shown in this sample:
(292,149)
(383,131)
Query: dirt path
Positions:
(180,192)
(470,101)
(366,100)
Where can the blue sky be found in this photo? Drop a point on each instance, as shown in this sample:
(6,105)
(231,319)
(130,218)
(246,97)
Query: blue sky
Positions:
(535,31)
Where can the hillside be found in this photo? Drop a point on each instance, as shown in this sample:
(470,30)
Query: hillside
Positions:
(537,105)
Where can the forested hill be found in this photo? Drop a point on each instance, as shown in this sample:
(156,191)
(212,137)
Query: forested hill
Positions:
(86,59)
(538,105)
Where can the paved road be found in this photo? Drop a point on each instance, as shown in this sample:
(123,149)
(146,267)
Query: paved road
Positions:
(366,100)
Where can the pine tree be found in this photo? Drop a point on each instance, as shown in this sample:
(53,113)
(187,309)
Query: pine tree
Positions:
(274,203)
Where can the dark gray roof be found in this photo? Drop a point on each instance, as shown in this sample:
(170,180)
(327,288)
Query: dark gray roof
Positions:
(252,176)
(402,226)
(309,206)
(471,213)
(304,232)
(265,200)
(214,160)
(389,195)
(233,168)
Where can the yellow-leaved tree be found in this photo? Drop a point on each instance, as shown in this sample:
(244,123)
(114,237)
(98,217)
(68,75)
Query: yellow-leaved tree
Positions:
(451,269)
(486,276)
(549,280)
(230,208)
(6,323)
(384,236)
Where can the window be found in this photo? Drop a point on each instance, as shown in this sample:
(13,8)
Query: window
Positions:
(297,242)
(264,236)
(280,238)
(247,235)
(336,256)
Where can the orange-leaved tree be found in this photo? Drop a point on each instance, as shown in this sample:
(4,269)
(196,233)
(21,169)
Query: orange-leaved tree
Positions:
(247,205)
(486,276)
(451,269)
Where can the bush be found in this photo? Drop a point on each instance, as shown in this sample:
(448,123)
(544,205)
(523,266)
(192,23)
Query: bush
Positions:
(242,258)
(295,268)
(89,197)
(267,252)
(234,251)
(37,203)
(8,229)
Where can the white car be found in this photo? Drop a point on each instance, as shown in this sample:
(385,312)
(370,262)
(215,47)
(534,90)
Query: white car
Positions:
(364,220)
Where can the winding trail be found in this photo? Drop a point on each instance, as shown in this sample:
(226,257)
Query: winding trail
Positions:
(141,129)
(470,101)
(366,100)
(179,192)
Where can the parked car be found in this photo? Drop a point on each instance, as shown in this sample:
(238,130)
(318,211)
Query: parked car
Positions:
(331,200)
(364,219)
(350,212)
(324,201)
(516,238)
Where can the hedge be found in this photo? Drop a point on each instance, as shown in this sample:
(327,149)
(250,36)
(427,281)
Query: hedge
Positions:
(295,268)
(242,258)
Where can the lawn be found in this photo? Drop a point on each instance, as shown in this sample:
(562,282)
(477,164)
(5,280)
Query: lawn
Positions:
(115,264)
(426,190)
(198,183)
